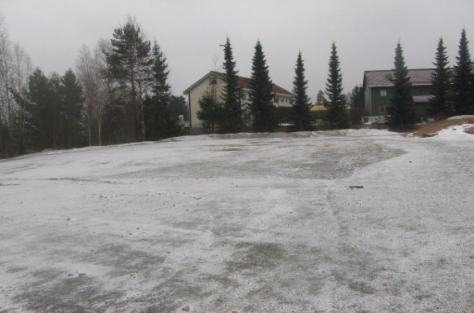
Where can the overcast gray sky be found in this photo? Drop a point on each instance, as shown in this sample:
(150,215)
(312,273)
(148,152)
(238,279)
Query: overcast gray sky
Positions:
(190,31)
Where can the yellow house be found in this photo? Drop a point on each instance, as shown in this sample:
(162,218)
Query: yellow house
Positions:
(214,83)
(318,108)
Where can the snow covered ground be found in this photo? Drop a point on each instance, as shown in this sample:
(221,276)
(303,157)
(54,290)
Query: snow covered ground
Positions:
(359,221)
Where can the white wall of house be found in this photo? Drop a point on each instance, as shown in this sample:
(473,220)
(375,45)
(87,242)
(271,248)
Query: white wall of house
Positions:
(199,90)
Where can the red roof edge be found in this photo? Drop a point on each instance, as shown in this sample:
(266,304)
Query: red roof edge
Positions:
(244,83)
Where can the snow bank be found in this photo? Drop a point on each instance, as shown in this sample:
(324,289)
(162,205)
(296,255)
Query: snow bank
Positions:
(460,117)
(457,132)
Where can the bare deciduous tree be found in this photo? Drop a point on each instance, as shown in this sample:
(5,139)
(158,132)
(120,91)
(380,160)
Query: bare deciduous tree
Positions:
(15,67)
(91,69)
(6,101)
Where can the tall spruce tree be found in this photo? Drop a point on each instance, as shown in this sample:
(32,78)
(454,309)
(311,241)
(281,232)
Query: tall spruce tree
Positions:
(158,118)
(129,63)
(231,119)
(56,122)
(72,110)
(440,103)
(39,111)
(54,111)
(301,116)
(356,100)
(160,72)
(336,101)
(261,95)
(402,108)
(462,87)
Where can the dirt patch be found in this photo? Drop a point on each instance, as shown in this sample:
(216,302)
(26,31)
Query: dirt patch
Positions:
(252,256)
(432,128)
(361,287)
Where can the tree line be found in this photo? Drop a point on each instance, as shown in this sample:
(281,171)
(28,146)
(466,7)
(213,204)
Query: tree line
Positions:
(452,94)
(119,92)
(224,113)
(452,87)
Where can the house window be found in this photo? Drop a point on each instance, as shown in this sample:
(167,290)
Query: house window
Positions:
(383,92)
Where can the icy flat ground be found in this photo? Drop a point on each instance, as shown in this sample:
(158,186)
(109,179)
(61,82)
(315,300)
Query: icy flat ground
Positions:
(357,221)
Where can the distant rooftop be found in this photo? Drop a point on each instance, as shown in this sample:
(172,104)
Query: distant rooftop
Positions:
(383,78)
(242,82)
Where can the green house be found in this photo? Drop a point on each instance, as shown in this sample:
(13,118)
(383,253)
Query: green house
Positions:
(378,89)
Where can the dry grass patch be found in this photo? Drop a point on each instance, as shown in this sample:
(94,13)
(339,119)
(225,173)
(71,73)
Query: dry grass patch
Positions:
(430,129)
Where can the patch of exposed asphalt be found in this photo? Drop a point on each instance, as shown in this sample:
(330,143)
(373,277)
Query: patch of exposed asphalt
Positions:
(55,291)
(256,256)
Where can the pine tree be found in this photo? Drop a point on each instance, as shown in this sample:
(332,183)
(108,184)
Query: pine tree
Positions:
(160,72)
(38,111)
(210,112)
(462,87)
(72,110)
(320,99)
(231,120)
(261,94)
(357,97)
(179,108)
(129,64)
(54,111)
(440,104)
(356,100)
(301,115)
(56,117)
(158,120)
(336,101)
(401,109)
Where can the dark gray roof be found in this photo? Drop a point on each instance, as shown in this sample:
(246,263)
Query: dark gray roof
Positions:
(382,78)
